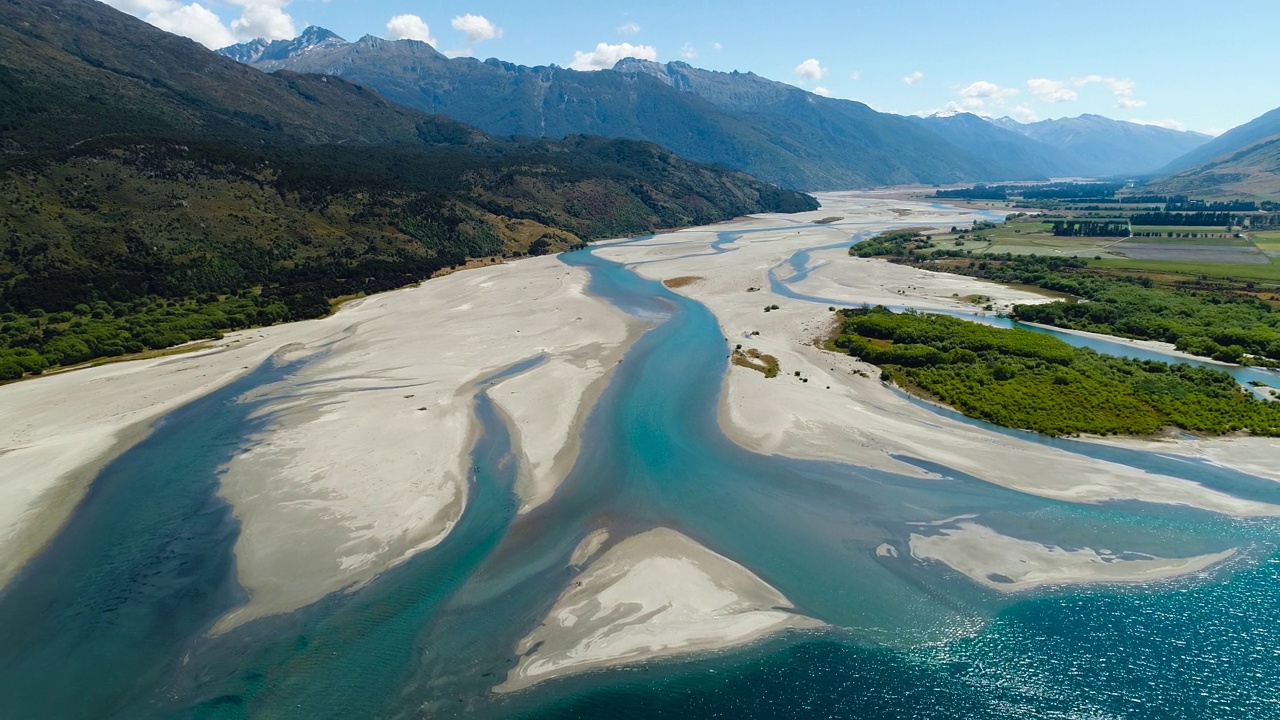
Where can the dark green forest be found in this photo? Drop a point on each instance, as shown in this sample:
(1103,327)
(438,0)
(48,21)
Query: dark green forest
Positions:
(154,193)
(1023,379)
(1218,323)
(1228,322)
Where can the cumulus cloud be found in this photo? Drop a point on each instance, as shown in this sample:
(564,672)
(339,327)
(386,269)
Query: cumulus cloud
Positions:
(263,19)
(1166,124)
(717,46)
(409,27)
(974,96)
(1054,91)
(983,90)
(688,51)
(822,91)
(628,28)
(914,78)
(258,18)
(811,70)
(606,55)
(1120,88)
(855,75)
(194,21)
(1022,113)
(477,28)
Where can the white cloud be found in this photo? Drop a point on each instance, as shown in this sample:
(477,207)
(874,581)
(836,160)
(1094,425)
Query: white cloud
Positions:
(974,96)
(1054,91)
(477,28)
(688,51)
(822,91)
(1121,89)
(629,28)
(717,46)
(258,18)
(137,7)
(983,90)
(1215,131)
(811,69)
(1022,113)
(194,21)
(263,19)
(409,27)
(914,78)
(855,75)
(1166,124)
(606,55)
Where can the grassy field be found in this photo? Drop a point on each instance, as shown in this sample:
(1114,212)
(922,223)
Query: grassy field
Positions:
(1268,242)
(1211,230)
(1268,273)
(1025,236)
(1222,240)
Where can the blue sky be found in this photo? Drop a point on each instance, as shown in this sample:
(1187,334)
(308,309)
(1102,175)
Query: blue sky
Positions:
(1177,63)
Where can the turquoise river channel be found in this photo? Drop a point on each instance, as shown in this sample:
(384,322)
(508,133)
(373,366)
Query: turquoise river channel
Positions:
(112,619)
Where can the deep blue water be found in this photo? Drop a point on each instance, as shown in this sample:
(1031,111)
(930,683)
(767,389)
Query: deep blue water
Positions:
(110,621)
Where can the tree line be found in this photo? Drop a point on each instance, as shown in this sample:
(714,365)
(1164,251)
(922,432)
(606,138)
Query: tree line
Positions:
(1023,379)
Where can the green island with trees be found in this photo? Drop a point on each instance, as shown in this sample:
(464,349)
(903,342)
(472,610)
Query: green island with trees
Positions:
(1228,321)
(1027,380)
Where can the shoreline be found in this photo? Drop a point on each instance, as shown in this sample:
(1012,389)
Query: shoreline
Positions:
(363,462)
(651,596)
(1010,565)
(1163,348)
(843,413)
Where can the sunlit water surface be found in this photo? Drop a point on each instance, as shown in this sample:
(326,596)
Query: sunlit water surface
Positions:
(112,619)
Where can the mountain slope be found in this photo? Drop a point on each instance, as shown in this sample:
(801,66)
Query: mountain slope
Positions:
(1253,172)
(1229,143)
(1007,151)
(1101,146)
(156,192)
(775,131)
(817,128)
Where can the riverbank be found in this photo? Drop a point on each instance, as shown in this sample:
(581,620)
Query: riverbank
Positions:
(835,408)
(364,458)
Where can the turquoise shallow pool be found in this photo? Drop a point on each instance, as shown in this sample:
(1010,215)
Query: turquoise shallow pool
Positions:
(111,621)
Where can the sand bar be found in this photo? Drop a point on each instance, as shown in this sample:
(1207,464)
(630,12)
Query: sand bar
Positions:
(1010,564)
(364,458)
(653,595)
(843,413)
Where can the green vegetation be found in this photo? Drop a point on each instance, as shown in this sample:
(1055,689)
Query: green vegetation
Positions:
(1090,228)
(1211,322)
(1236,272)
(153,193)
(758,361)
(902,243)
(1022,379)
(35,342)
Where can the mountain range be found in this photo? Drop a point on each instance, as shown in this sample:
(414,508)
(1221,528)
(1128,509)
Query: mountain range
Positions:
(137,164)
(769,129)
(1106,147)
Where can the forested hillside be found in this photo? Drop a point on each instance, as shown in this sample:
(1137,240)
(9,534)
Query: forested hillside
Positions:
(152,192)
